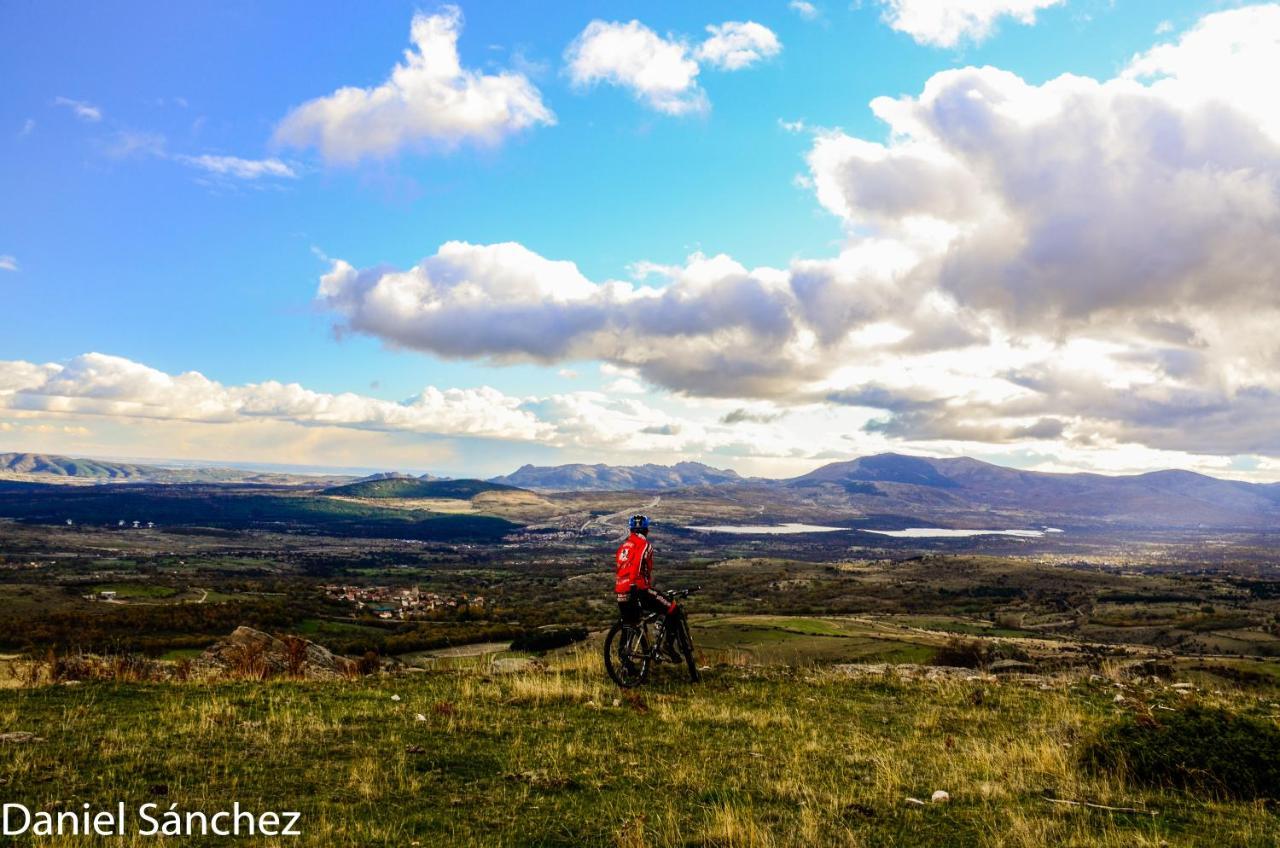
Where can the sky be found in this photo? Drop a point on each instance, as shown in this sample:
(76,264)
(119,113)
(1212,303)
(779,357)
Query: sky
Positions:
(765,236)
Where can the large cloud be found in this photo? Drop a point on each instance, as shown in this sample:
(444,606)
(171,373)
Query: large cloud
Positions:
(662,72)
(429,100)
(63,406)
(1078,206)
(715,328)
(97,384)
(946,23)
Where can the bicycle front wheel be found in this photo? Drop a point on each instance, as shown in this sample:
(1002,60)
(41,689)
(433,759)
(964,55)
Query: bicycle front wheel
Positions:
(686,648)
(626,655)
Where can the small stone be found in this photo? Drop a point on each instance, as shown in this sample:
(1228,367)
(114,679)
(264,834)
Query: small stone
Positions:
(617,703)
(940,796)
(419,717)
(18,737)
(395,697)
(915,802)
(1118,698)
(513,665)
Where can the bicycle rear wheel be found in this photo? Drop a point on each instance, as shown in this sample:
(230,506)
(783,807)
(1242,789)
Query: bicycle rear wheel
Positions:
(626,654)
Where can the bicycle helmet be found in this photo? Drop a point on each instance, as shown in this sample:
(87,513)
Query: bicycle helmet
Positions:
(639,524)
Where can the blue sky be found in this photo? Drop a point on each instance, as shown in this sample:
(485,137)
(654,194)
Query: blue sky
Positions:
(124,245)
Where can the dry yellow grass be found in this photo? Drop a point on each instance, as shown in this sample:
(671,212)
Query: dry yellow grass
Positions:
(754,757)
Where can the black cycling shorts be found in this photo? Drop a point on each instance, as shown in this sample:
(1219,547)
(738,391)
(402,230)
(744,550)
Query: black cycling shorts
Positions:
(638,601)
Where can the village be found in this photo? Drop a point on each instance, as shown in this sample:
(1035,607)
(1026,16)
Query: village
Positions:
(402,603)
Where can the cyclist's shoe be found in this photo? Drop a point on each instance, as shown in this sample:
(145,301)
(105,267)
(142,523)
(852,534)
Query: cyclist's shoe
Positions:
(671,653)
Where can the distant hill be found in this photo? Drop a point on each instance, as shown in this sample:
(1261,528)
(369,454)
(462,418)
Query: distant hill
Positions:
(65,466)
(964,489)
(617,478)
(882,468)
(396,475)
(415,487)
(55,468)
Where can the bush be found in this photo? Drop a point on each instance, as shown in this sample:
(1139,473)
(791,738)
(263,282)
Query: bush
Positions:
(965,653)
(1200,749)
(537,641)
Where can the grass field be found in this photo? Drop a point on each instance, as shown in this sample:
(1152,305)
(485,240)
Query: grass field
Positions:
(802,640)
(559,757)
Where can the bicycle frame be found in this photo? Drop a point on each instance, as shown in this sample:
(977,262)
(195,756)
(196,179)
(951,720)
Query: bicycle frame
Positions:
(659,634)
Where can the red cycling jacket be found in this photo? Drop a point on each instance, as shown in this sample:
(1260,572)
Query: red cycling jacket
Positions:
(635,564)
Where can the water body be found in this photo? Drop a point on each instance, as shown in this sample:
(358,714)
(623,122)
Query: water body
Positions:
(766,529)
(948,533)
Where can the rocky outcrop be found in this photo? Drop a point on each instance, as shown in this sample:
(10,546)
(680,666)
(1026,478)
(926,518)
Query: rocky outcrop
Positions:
(253,654)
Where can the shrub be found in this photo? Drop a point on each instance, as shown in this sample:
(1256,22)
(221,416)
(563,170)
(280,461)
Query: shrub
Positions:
(964,653)
(1199,749)
(295,656)
(370,663)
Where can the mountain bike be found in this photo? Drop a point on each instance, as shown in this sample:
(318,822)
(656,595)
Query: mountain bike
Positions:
(629,652)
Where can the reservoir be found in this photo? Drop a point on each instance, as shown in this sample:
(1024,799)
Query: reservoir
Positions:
(766,529)
(948,533)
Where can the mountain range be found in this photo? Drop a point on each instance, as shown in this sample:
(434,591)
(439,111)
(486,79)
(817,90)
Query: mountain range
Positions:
(959,492)
(968,488)
(616,478)
(44,467)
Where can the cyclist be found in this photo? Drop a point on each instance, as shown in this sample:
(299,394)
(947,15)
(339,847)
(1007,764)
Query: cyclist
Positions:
(634,583)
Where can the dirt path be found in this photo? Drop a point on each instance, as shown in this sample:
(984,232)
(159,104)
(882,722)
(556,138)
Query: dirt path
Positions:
(475,650)
(626,513)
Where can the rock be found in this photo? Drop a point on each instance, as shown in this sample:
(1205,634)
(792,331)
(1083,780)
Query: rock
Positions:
(419,717)
(1118,698)
(19,737)
(511,665)
(252,653)
(1011,667)
(940,797)
(916,802)
(910,672)
(395,697)
(1184,686)
(1152,667)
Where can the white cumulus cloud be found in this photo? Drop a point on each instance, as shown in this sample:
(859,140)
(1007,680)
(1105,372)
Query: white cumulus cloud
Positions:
(1227,57)
(662,72)
(734,45)
(429,101)
(659,71)
(8,263)
(946,23)
(103,385)
(715,328)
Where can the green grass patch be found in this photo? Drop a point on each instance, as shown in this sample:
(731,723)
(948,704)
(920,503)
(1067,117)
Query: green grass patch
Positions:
(1204,750)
